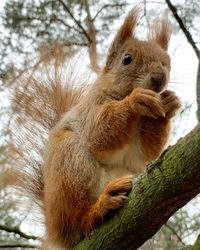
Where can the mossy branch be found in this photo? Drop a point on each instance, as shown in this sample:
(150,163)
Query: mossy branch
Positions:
(166,186)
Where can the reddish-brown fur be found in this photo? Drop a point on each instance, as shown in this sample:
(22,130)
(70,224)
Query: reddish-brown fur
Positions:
(99,144)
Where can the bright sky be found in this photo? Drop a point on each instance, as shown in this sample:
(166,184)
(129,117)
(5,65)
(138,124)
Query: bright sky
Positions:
(183,78)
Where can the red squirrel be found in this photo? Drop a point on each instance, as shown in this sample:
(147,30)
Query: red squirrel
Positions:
(100,139)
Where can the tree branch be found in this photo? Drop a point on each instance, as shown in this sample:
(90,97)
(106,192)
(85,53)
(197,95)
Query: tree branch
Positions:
(16,230)
(92,33)
(65,24)
(166,186)
(175,233)
(76,21)
(183,28)
(4,246)
(108,6)
(52,19)
(66,43)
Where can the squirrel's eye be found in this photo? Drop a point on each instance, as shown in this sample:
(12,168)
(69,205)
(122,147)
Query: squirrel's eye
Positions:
(127,59)
(164,64)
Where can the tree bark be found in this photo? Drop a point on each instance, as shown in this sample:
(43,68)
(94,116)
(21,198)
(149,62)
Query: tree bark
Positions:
(166,186)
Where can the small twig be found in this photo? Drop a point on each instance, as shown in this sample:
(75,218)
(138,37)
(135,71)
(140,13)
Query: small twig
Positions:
(74,43)
(16,230)
(183,28)
(65,24)
(3,246)
(76,21)
(107,6)
(145,13)
(145,8)
(175,233)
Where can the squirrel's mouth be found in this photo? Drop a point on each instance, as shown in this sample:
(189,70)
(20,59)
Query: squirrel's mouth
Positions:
(159,87)
(158,81)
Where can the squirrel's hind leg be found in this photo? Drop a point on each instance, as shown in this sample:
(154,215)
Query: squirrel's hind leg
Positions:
(112,198)
(71,210)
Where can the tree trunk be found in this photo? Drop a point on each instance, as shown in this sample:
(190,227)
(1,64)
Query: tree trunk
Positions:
(166,186)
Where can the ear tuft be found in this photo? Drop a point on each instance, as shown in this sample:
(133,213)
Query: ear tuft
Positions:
(127,28)
(160,32)
(124,33)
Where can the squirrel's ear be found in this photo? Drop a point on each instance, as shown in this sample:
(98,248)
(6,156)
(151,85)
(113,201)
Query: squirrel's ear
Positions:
(125,32)
(160,32)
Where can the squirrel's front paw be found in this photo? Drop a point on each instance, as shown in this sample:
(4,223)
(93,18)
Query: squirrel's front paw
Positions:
(114,193)
(147,103)
(171,103)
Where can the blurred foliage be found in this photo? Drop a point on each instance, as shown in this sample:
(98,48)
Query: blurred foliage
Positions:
(11,214)
(189,12)
(182,227)
(186,9)
(27,25)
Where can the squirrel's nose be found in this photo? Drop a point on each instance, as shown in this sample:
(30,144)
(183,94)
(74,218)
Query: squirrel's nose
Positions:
(158,81)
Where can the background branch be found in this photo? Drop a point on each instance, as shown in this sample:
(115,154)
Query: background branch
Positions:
(67,43)
(76,21)
(4,246)
(175,233)
(16,230)
(108,6)
(183,28)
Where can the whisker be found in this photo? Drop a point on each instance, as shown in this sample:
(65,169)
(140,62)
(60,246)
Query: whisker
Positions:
(181,71)
(183,77)
(175,88)
(185,84)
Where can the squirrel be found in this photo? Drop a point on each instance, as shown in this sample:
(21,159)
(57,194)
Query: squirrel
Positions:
(99,139)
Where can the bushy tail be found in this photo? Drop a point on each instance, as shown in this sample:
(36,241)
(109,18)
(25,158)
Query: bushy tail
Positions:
(39,99)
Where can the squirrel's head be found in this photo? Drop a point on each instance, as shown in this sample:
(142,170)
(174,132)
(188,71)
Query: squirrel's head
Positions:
(133,63)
